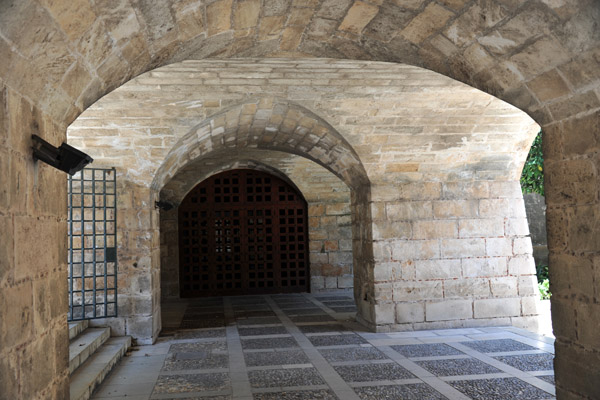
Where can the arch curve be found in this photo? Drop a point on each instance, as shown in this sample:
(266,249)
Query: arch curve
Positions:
(269,124)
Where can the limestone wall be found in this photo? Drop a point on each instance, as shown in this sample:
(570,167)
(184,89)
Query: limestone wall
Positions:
(446,222)
(541,56)
(33,256)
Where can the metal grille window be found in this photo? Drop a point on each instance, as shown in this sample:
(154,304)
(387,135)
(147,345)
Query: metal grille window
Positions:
(92,244)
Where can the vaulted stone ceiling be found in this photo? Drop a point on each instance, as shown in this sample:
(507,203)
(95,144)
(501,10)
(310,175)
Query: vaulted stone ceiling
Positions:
(497,46)
(405,123)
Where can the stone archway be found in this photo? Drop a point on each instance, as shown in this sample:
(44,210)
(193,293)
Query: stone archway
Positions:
(59,58)
(277,126)
(329,230)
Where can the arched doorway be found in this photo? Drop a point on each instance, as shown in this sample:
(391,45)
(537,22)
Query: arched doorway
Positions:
(243,232)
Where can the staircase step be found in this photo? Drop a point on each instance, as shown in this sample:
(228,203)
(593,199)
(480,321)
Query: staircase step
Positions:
(91,373)
(76,327)
(84,345)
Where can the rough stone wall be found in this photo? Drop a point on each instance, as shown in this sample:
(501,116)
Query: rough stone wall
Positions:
(539,55)
(330,235)
(33,254)
(449,236)
(535,206)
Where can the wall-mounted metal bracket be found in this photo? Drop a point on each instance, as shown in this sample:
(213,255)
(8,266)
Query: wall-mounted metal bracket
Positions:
(66,158)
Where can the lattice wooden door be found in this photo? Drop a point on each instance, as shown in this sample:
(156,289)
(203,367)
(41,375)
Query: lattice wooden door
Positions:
(243,232)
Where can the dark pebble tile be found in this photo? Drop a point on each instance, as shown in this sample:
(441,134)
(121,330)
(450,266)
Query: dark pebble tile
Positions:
(323,328)
(427,350)
(205,361)
(203,398)
(529,362)
(285,377)
(204,334)
(312,318)
(265,358)
(198,347)
(201,323)
(273,343)
(419,391)
(498,345)
(267,330)
(295,304)
(190,383)
(344,309)
(500,389)
(373,372)
(257,313)
(247,300)
(305,311)
(297,395)
(460,366)
(336,340)
(352,354)
(331,298)
(258,321)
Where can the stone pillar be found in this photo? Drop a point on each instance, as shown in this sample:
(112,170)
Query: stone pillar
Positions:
(34,341)
(572,180)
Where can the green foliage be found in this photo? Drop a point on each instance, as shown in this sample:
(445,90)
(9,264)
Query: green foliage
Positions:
(532,177)
(544,288)
(543,281)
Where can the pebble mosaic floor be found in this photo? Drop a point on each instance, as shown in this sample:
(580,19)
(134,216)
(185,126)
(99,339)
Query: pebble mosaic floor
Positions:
(307,347)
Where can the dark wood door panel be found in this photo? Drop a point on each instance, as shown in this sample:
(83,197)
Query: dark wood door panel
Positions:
(243,232)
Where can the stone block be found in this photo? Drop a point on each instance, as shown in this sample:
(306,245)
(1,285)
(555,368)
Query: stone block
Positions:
(438,269)
(409,210)
(434,229)
(521,265)
(317,282)
(415,249)
(382,272)
(499,247)
(459,248)
(6,248)
(346,282)
(218,16)
(449,310)
(530,305)
(383,292)
(410,312)
(522,246)
(246,14)
(331,282)
(337,209)
(455,209)
(505,286)
(517,227)
(432,18)
(494,308)
(417,290)
(484,267)
(140,327)
(384,313)
(480,228)
(466,288)
(358,16)
(392,230)
(528,285)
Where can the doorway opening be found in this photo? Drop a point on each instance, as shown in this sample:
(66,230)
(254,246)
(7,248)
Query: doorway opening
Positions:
(243,232)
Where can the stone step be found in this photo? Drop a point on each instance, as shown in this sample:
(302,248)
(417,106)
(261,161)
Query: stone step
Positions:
(76,327)
(91,373)
(84,345)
